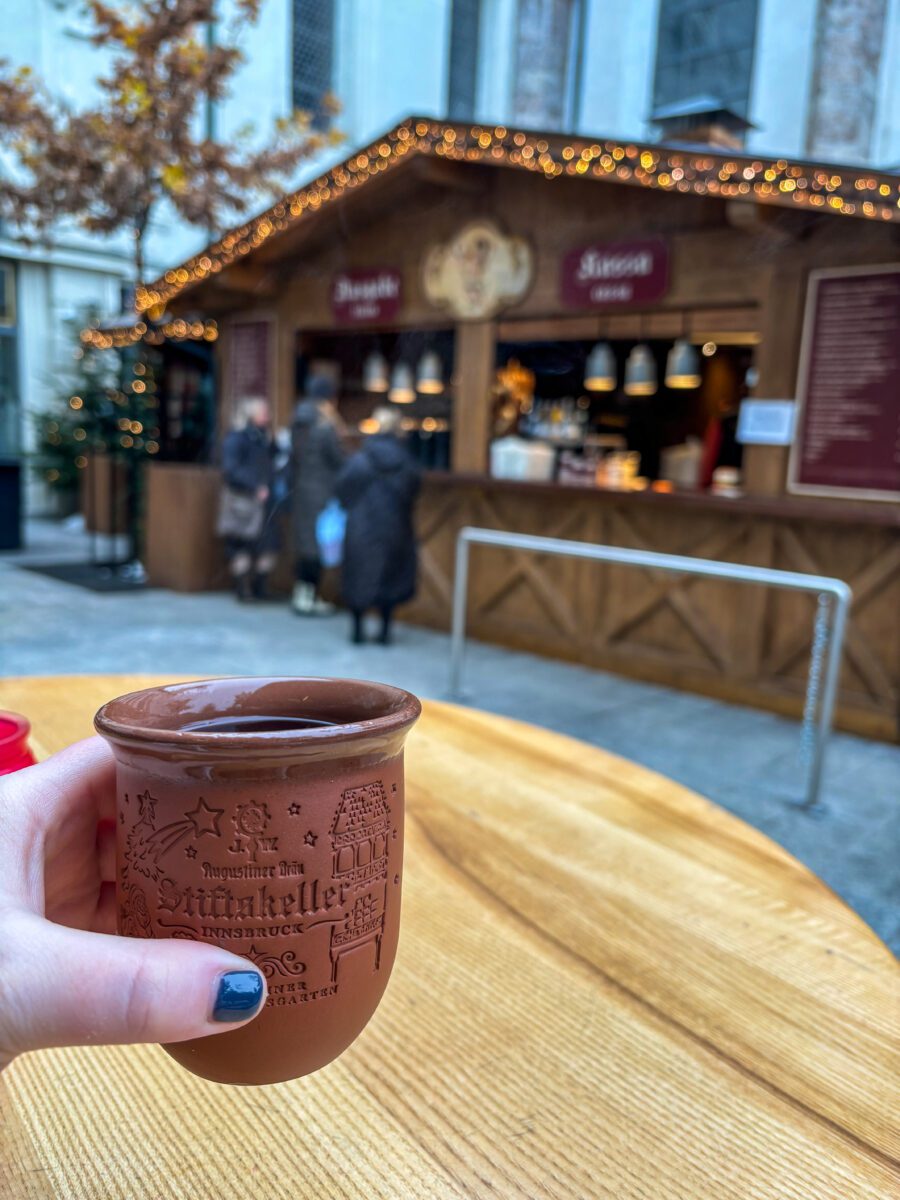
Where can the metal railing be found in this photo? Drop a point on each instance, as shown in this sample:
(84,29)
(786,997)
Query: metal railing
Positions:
(828,629)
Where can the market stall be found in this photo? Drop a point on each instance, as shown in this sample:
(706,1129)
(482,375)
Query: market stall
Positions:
(616,343)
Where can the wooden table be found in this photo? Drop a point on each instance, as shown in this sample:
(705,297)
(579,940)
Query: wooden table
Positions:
(606,987)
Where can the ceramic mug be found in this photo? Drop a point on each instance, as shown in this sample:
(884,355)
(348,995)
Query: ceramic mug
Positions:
(266,816)
(14,750)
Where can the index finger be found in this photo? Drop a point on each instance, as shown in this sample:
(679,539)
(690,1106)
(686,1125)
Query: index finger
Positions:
(80,778)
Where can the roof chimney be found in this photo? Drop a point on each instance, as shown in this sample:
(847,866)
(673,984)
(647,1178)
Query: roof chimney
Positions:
(701,121)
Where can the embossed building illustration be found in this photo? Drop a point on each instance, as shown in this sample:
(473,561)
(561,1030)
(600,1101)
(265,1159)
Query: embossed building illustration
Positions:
(359,840)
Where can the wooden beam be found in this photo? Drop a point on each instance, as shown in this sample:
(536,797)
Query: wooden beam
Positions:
(776,225)
(782,302)
(284,396)
(458,177)
(543,329)
(242,277)
(476,348)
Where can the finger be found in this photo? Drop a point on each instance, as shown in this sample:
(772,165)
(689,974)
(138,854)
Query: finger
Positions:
(69,987)
(83,776)
(106,852)
(107,909)
(51,815)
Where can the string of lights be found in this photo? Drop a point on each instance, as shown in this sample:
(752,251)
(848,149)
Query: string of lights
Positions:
(843,191)
(120,336)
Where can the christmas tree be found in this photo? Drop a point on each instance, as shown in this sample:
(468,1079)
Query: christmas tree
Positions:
(108,404)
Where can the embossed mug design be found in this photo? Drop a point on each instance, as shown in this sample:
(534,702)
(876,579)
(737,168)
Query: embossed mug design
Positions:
(266,816)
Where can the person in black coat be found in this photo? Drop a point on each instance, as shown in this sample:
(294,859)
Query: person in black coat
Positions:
(317,458)
(378,488)
(246,506)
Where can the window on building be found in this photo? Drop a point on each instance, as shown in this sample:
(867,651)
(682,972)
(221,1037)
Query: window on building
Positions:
(10,413)
(705,49)
(547,62)
(462,84)
(313,58)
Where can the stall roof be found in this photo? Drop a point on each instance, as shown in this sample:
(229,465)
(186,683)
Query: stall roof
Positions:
(807,186)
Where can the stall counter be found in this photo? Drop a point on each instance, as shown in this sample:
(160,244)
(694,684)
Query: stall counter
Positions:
(738,642)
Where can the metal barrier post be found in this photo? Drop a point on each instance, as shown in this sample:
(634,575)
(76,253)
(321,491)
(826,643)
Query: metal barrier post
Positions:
(833,649)
(828,635)
(458,632)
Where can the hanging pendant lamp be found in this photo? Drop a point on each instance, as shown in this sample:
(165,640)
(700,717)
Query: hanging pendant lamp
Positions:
(682,366)
(640,372)
(600,369)
(375,373)
(430,374)
(402,389)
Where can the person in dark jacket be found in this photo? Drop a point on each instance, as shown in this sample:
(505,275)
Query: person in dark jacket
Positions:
(378,488)
(245,516)
(317,458)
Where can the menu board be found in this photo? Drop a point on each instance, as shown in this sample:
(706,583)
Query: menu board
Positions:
(848,426)
(249,360)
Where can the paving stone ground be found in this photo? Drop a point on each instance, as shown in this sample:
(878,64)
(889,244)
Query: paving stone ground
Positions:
(745,760)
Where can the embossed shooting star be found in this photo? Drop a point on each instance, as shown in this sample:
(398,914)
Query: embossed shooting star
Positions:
(205,819)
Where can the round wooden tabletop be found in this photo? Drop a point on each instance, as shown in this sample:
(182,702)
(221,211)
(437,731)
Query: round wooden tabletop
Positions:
(606,987)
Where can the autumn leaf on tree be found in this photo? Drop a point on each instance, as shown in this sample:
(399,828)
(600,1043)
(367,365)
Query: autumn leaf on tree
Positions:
(110,166)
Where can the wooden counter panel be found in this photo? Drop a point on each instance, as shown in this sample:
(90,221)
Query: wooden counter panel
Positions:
(868,559)
(739,642)
(735,641)
(181,549)
(791,508)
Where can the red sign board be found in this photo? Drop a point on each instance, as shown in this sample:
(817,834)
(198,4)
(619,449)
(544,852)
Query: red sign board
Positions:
(361,297)
(611,274)
(848,427)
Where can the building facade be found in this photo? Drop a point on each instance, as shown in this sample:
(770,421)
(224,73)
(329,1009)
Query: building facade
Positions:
(811,79)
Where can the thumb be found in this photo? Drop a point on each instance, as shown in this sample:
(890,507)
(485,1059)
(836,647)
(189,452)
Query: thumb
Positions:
(61,987)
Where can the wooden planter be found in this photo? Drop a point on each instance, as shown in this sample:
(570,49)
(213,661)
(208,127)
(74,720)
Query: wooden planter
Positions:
(104,495)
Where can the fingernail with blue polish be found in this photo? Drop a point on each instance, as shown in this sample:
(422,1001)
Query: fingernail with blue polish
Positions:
(239,996)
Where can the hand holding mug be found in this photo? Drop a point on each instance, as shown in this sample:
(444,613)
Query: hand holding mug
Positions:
(67,979)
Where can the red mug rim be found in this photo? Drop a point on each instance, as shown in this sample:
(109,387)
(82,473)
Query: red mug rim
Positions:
(21,727)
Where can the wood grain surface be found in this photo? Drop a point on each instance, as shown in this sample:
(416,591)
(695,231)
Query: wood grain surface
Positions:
(606,987)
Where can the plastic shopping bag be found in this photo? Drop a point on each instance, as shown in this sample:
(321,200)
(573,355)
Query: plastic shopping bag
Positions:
(330,525)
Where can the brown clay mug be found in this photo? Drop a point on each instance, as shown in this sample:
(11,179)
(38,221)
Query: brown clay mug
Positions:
(266,816)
